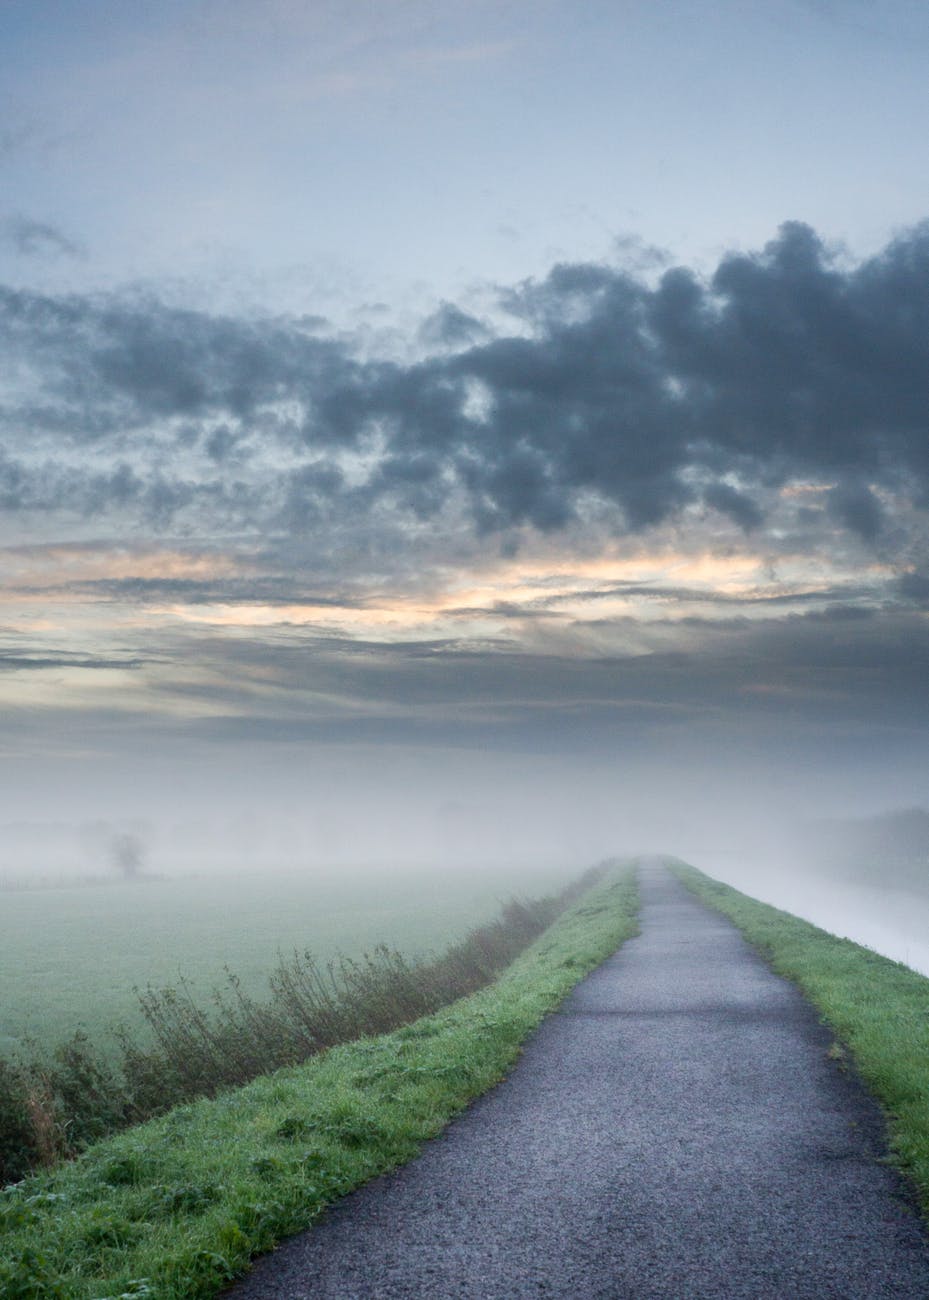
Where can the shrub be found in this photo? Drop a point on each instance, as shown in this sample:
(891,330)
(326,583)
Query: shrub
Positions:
(18,1149)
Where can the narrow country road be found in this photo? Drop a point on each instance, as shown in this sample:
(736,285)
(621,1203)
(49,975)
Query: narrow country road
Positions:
(676,1130)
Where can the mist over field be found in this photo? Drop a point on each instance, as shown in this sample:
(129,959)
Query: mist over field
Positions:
(453,810)
(522,823)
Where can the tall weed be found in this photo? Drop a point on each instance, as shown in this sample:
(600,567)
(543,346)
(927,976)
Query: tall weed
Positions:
(50,1109)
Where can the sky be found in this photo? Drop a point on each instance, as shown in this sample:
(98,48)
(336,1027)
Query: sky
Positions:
(442,431)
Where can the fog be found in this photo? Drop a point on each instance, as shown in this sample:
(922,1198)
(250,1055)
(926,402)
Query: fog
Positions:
(801,839)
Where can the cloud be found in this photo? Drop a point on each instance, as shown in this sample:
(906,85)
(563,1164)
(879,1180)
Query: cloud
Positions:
(799,678)
(857,507)
(32,238)
(10,662)
(260,589)
(746,512)
(451,327)
(613,398)
(914,586)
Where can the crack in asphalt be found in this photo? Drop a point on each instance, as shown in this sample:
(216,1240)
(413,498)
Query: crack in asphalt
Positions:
(676,1132)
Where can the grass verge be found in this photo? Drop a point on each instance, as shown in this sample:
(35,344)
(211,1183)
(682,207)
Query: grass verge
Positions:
(175,1208)
(877,1008)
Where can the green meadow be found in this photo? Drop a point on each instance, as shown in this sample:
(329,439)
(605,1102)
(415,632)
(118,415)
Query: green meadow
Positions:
(175,1208)
(71,957)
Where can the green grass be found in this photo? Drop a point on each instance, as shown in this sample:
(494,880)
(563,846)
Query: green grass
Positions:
(53,981)
(175,1208)
(877,1008)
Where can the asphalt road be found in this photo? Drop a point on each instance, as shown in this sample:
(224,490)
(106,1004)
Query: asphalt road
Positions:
(676,1130)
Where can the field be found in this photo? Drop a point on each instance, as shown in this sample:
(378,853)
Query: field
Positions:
(173,1209)
(69,958)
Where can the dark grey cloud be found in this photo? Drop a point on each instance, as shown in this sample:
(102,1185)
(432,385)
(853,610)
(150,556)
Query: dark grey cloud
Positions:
(914,586)
(739,506)
(641,397)
(449,326)
(266,589)
(19,662)
(104,366)
(856,507)
(839,672)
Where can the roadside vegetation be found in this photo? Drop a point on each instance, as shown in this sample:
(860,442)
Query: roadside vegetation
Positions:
(54,982)
(175,1208)
(52,1105)
(877,1008)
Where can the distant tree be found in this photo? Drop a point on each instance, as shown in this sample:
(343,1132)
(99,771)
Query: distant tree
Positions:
(127,854)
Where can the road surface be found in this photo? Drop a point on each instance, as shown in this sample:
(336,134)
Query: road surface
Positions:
(676,1130)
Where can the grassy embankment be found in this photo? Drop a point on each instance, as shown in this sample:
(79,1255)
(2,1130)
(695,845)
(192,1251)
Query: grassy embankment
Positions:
(877,1008)
(176,1207)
